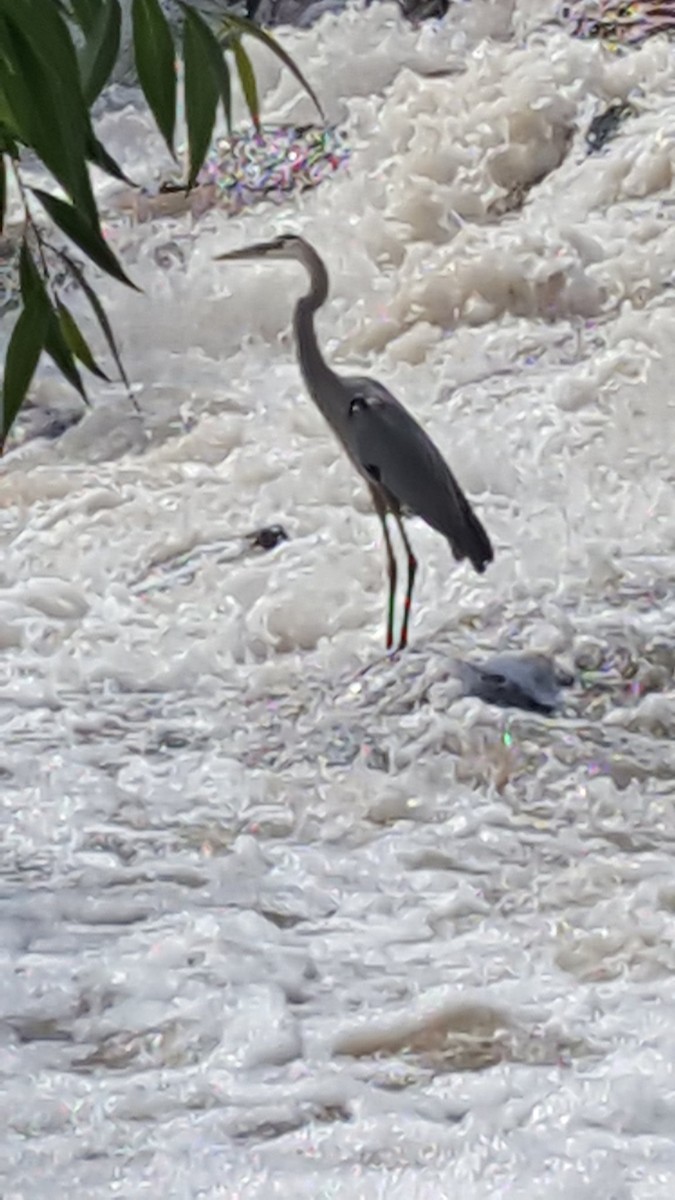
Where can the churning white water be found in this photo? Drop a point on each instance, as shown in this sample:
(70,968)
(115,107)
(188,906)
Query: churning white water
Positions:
(271,930)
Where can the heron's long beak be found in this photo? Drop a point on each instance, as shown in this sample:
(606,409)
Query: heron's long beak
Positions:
(259,250)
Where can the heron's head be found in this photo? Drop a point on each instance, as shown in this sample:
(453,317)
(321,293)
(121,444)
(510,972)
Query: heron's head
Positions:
(285,246)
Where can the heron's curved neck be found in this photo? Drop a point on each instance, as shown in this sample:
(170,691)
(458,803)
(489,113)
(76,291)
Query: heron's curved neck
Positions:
(315,370)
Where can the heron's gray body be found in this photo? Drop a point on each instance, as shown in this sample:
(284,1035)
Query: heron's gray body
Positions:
(396,455)
(405,472)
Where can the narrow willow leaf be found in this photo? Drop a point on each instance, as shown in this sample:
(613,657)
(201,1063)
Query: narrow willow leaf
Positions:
(44,27)
(97,154)
(7,128)
(59,351)
(87,237)
(215,57)
(242,25)
(99,53)
(23,352)
(99,312)
(77,342)
(248,84)
(86,13)
(46,104)
(155,63)
(214,54)
(201,93)
(8,145)
(3,192)
(35,298)
(31,283)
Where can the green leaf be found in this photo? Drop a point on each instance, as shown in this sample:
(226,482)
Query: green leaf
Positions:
(35,298)
(99,312)
(242,25)
(63,8)
(6,119)
(59,351)
(3,192)
(155,63)
(213,53)
(23,352)
(201,92)
(77,342)
(44,27)
(99,53)
(86,13)
(87,237)
(248,83)
(41,88)
(97,154)
(33,290)
(8,145)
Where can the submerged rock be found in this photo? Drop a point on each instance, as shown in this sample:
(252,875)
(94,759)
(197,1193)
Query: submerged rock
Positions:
(528,681)
(46,421)
(303,13)
(606,125)
(268,537)
(179,570)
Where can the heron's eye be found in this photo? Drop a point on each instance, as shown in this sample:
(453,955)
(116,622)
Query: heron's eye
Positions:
(358,404)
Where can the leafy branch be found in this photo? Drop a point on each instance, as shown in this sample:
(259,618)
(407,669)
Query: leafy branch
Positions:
(56,57)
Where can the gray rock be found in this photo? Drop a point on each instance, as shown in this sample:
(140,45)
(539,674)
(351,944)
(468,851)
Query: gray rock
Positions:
(303,13)
(299,13)
(528,681)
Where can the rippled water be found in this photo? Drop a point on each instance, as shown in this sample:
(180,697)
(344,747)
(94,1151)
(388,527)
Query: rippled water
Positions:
(269,929)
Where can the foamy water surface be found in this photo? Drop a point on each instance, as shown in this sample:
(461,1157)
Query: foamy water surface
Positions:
(271,930)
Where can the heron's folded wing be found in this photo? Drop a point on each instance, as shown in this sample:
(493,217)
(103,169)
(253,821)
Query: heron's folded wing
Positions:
(396,452)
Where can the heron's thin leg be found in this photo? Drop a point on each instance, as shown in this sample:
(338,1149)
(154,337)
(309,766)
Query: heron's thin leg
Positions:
(392,572)
(412,571)
(381,511)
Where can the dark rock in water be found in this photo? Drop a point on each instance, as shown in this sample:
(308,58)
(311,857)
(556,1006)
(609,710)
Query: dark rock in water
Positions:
(43,421)
(179,570)
(300,13)
(528,681)
(606,125)
(55,423)
(268,537)
(303,13)
(423,10)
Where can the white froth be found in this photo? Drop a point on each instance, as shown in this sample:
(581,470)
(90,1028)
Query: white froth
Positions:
(268,928)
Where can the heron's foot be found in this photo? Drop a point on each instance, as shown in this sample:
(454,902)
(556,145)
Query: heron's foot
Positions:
(391,656)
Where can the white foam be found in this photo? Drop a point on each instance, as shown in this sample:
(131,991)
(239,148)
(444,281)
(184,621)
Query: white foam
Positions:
(220,849)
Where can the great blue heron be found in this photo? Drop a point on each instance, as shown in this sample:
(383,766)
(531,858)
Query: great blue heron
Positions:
(404,471)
